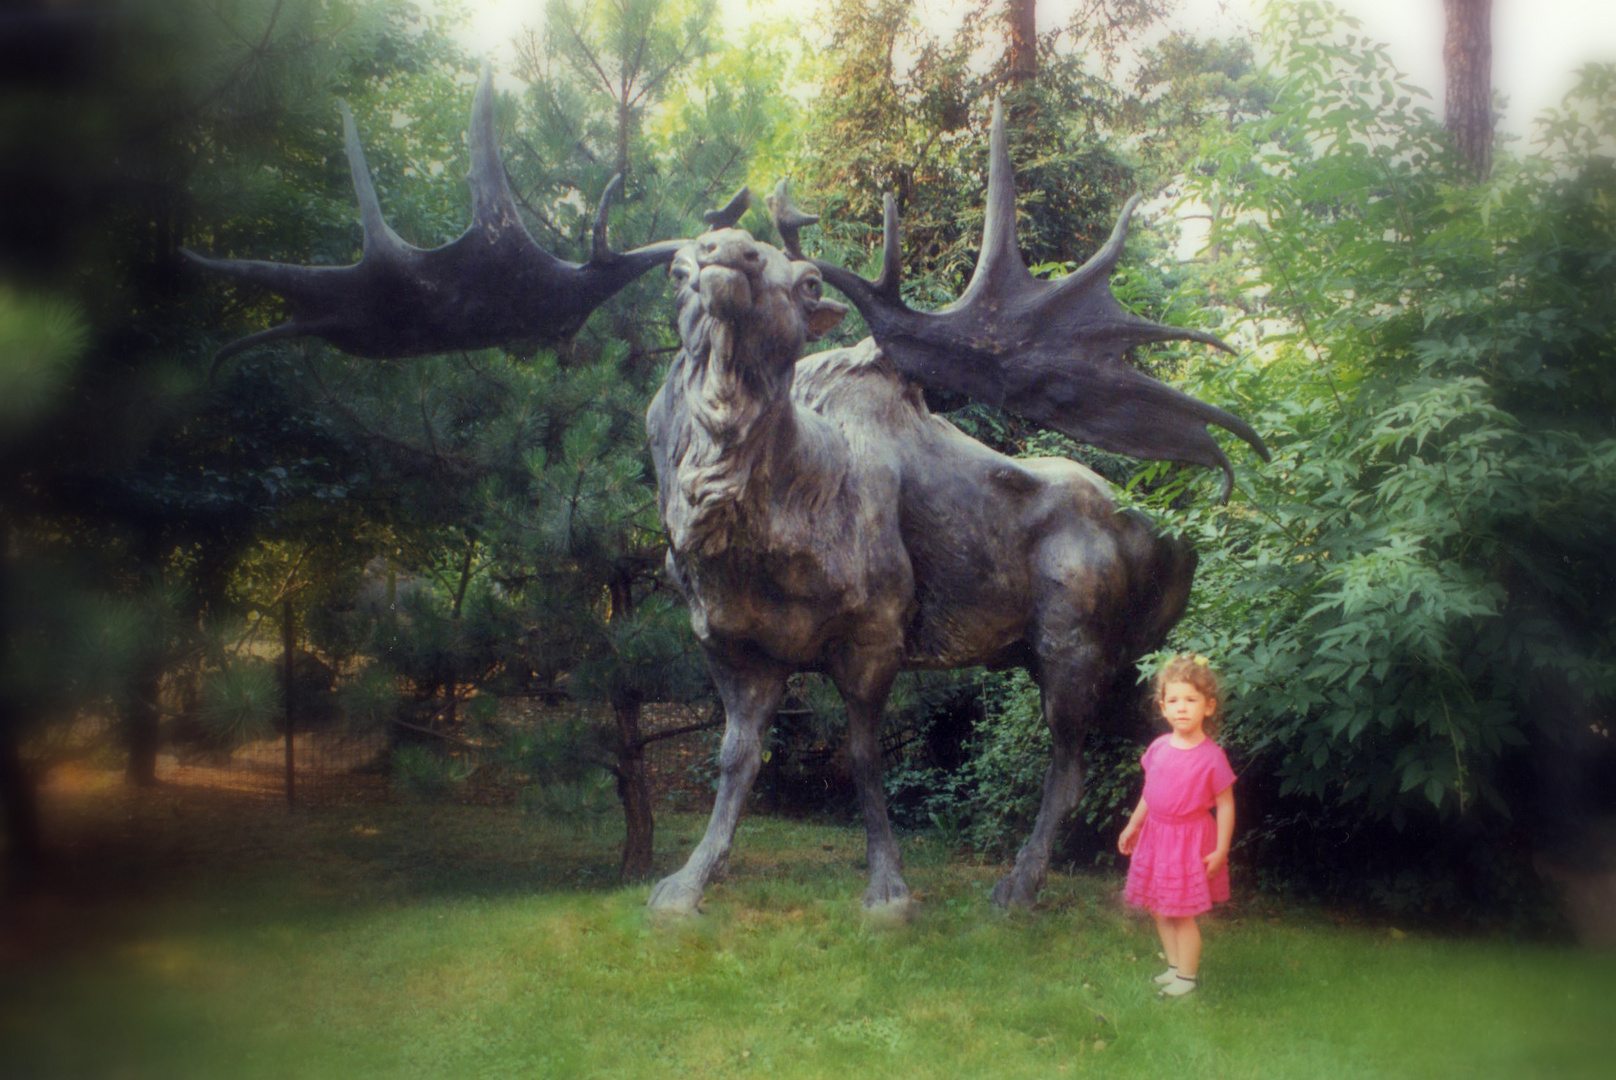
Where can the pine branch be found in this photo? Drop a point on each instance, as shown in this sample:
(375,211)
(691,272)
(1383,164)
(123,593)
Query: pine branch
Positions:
(686,729)
(444,735)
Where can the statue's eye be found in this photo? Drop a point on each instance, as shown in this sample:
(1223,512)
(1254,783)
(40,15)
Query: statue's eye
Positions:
(680,274)
(812,286)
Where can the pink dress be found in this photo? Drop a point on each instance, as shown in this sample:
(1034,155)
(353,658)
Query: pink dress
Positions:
(1167,872)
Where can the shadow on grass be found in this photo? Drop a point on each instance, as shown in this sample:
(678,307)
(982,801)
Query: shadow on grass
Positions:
(111,850)
(220,855)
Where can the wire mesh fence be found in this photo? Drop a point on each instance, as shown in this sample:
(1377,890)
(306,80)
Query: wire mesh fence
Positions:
(324,765)
(333,765)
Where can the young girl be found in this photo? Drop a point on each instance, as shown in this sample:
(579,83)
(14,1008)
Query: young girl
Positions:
(1180,855)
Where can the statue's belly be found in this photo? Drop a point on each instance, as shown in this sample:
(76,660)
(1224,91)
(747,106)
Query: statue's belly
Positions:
(787,607)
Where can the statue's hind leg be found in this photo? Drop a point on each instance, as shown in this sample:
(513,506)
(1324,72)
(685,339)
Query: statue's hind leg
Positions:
(864,677)
(750,699)
(1072,681)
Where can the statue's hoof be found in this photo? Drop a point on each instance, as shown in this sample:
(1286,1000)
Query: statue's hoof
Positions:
(670,896)
(888,896)
(1012,892)
(891,912)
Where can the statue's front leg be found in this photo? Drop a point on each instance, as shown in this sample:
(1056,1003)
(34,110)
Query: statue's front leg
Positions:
(750,699)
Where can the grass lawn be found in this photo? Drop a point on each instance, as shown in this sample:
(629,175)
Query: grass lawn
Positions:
(192,936)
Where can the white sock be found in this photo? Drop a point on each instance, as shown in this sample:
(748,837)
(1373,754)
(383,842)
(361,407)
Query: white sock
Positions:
(1181,985)
(1167,976)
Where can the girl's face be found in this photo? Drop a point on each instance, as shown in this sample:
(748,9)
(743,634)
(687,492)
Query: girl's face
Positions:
(1186,708)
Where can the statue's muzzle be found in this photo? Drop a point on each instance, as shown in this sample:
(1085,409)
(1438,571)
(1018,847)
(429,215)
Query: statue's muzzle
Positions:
(730,264)
(725,293)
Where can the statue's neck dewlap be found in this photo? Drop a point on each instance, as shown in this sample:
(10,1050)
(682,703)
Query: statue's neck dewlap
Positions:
(737,409)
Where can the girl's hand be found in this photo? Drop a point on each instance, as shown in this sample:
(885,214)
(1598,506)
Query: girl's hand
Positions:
(1215,862)
(1127,840)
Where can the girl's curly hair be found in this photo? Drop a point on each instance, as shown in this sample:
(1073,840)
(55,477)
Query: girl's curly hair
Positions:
(1193,668)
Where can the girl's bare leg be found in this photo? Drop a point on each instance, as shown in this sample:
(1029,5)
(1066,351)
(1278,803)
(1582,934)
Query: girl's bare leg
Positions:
(1188,946)
(1168,932)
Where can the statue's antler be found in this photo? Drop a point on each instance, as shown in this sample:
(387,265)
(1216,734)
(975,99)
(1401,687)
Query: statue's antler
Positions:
(493,286)
(1051,351)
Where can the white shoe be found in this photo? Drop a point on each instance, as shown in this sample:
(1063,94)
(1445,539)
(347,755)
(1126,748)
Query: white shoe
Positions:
(1166,977)
(1181,985)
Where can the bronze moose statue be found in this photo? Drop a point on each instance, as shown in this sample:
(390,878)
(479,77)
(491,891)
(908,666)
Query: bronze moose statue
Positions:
(819,516)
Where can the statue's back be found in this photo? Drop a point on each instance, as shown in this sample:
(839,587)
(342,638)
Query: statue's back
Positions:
(979,528)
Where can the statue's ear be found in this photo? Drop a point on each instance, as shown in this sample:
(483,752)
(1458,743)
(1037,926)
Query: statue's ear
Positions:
(823,317)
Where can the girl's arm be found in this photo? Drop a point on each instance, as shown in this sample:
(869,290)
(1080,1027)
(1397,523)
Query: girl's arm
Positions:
(1223,808)
(1130,831)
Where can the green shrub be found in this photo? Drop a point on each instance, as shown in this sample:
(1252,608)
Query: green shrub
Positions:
(423,773)
(240,702)
(988,802)
(1412,603)
(369,699)
(1004,774)
(584,801)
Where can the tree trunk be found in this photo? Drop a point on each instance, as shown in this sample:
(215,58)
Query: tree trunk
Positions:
(143,713)
(624,116)
(451,711)
(19,799)
(1467,56)
(635,792)
(288,651)
(140,726)
(1021,18)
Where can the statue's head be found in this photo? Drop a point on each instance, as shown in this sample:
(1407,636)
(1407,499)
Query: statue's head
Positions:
(766,305)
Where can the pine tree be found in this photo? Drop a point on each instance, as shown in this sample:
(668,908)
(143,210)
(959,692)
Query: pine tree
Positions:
(588,516)
(517,482)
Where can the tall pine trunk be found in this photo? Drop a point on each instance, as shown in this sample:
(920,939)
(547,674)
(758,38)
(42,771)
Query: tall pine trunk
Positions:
(19,799)
(289,682)
(1021,59)
(1467,56)
(632,787)
(141,726)
(1021,53)
(451,708)
(635,792)
(143,714)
